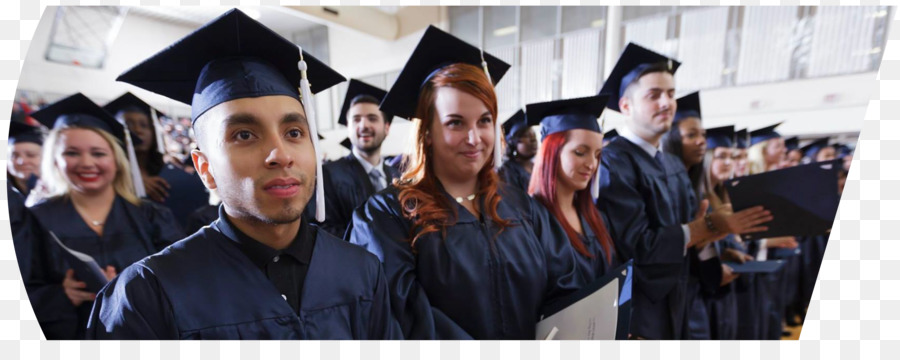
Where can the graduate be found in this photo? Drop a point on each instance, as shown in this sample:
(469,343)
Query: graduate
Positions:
(818,151)
(767,150)
(566,180)
(162,182)
(468,257)
(647,196)
(793,155)
(739,155)
(521,147)
(91,206)
(349,181)
(23,168)
(260,271)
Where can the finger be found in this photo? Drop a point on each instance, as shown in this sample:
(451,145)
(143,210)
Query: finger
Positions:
(70,274)
(165,183)
(755,229)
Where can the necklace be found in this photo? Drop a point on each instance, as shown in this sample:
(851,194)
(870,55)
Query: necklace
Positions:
(96,223)
(459,199)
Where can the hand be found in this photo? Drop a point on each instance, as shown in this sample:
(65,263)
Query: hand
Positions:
(742,222)
(733,255)
(110,272)
(728,275)
(787,242)
(73,287)
(157,188)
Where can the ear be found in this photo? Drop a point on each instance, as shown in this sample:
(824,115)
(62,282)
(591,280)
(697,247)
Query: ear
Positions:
(625,105)
(387,128)
(201,163)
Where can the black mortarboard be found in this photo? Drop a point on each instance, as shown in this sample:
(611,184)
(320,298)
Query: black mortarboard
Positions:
(515,124)
(688,106)
(78,110)
(720,137)
(358,88)
(792,143)
(435,50)
(562,115)
(803,199)
(842,150)
(129,102)
(20,132)
(347,144)
(766,133)
(631,63)
(229,58)
(741,138)
(812,149)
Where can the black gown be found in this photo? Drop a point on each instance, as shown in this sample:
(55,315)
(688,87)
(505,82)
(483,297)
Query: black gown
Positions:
(646,202)
(474,282)
(129,233)
(205,287)
(21,223)
(347,186)
(515,175)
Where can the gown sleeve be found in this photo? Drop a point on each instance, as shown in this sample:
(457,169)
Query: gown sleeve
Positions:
(379,227)
(132,307)
(165,230)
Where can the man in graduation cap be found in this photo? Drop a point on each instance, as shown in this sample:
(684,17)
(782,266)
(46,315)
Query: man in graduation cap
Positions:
(260,271)
(349,181)
(647,196)
(23,168)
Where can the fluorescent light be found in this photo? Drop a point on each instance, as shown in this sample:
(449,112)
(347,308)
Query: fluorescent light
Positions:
(505,31)
(598,23)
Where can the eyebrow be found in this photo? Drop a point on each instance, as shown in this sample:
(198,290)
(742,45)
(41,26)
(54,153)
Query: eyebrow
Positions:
(252,120)
(486,113)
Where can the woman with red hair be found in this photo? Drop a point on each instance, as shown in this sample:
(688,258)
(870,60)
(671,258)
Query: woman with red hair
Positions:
(566,166)
(465,255)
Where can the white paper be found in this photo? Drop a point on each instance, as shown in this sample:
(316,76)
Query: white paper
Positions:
(595,317)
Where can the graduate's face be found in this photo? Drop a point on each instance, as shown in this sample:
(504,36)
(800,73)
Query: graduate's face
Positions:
(774,151)
(24,160)
(693,141)
(526,148)
(722,166)
(366,126)
(579,158)
(739,156)
(139,125)
(650,102)
(825,154)
(86,161)
(461,135)
(793,158)
(258,154)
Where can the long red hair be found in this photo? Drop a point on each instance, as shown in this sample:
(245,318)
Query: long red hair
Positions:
(420,190)
(543,188)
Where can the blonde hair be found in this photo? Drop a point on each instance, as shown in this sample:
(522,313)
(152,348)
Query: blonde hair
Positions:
(756,158)
(54,180)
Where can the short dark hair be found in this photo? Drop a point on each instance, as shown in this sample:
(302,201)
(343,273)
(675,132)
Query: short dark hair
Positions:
(369,99)
(653,68)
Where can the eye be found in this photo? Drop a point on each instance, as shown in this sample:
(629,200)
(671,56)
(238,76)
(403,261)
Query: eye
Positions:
(454,122)
(98,154)
(295,133)
(485,120)
(243,135)
(70,153)
(579,153)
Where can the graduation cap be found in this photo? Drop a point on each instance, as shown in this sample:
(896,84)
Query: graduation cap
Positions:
(766,133)
(842,150)
(20,132)
(688,106)
(128,102)
(78,110)
(515,124)
(720,137)
(563,115)
(358,88)
(610,135)
(812,149)
(347,144)
(234,57)
(436,50)
(792,143)
(741,138)
(633,61)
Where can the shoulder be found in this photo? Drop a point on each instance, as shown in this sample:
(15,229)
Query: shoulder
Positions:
(48,205)
(184,251)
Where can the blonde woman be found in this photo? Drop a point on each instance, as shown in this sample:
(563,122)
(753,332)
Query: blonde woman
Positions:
(90,205)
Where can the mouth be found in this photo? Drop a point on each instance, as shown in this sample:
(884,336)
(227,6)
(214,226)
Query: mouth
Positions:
(282,187)
(471,154)
(586,175)
(365,137)
(88,176)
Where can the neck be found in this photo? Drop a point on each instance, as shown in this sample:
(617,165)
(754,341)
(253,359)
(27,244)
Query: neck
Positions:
(649,137)
(20,183)
(373,157)
(94,200)
(276,236)
(458,188)
(565,197)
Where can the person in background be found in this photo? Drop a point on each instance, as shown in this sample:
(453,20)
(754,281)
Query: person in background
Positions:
(521,146)
(23,168)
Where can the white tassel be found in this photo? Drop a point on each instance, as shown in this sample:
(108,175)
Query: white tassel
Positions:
(595,185)
(309,106)
(136,177)
(498,157)
(158,129)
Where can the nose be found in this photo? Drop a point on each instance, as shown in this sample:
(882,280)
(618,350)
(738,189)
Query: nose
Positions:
(279,156)
(473,138)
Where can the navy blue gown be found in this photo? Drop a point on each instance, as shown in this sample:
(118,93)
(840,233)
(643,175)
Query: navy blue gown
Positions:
(514,174)
(347,186)
(721,304)
(596,267)
(475,281)
(129,233)
(646,202)
(205,287)
(21,224)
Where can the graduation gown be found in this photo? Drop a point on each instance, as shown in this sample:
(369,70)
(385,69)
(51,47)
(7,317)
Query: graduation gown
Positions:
(812,253)
(514,174)
(21,224)
(753,300)
(593,268)
(205,287)
(129,233)
(347,186)
(475,282)
(203,216)
(646,202)
(721,304)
